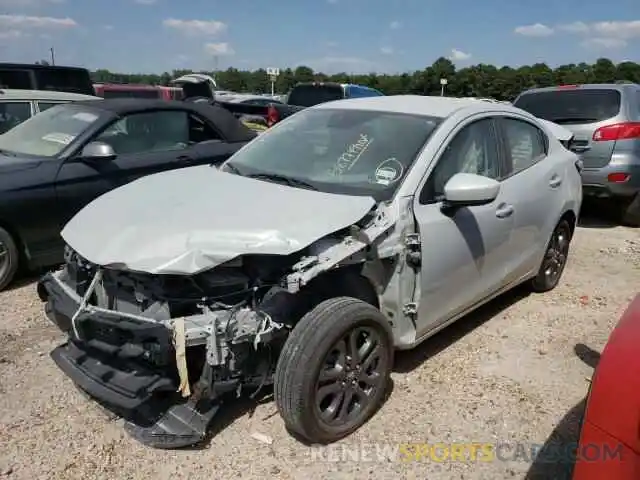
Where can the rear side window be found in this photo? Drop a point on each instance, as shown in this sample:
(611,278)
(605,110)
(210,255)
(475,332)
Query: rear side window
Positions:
(526,144)
(20,79)
(42,106)
(13,114)
(572,107)
(63,80)
(361,92)
(310,95)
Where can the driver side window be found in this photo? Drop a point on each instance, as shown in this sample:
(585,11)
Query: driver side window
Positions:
(474,149)
(148,132)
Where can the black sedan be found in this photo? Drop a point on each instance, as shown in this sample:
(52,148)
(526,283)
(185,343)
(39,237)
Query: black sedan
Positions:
(55,163)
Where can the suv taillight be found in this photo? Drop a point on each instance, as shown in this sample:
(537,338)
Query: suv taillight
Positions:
(619,131)
(272,116)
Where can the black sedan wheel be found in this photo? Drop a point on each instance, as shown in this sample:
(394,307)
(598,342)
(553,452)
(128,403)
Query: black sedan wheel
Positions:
(8,258)
(333,372)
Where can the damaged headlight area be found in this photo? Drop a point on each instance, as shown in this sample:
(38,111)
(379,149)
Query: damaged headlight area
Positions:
(135,338)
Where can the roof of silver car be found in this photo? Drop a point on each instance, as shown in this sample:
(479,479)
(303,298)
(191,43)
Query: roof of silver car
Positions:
(17,94)
(415,104)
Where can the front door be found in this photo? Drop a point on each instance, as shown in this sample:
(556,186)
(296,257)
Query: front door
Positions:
(464,251)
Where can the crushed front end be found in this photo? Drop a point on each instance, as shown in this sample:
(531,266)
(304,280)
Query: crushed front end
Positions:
(161,350)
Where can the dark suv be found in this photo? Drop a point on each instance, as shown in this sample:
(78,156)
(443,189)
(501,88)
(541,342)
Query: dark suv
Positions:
(605,119)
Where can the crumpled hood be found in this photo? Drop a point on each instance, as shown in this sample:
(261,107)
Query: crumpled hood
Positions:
(192,219)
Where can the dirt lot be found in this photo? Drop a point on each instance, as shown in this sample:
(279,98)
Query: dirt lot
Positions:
(509,373)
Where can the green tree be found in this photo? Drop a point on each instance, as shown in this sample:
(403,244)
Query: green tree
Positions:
(482,80)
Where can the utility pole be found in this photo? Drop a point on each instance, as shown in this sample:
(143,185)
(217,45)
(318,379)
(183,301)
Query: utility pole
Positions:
(53,56)
(215,68)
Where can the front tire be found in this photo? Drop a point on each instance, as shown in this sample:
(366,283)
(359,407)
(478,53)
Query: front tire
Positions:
(9,256)
(334,370)
(555,259)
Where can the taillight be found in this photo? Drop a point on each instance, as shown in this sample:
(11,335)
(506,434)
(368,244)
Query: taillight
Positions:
(566,87)
(619,131)
(618,177)
(272,116)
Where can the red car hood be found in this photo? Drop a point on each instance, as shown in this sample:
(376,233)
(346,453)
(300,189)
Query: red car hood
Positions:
(614,401)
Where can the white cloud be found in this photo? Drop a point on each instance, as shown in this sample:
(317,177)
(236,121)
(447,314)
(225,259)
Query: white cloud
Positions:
(108,27)
(196,27)
(623,30)
(575,27)
(458,55)
(145,2)
(386,50)
(604,42)
(395,25)
(332,2)
(332,44)
(222,49)
(535,30)
(14,22)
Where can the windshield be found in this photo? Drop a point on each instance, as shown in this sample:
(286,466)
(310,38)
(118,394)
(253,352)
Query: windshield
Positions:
(571,106)
(310,95)
(48,133)
(354,152)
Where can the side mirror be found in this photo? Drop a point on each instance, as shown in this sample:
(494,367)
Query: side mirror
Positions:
(98,151)
(468,189)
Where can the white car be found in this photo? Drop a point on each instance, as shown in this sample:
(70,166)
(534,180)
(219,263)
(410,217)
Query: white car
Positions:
(347,231)
(16,106)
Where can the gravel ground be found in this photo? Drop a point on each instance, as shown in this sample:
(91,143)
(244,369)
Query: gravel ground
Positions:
(508,373)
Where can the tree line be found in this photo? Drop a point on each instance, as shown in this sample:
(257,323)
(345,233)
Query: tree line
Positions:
(501,83)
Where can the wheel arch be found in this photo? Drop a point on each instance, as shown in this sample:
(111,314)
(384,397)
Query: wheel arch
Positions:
(17,238)
(346,281)
(571,217)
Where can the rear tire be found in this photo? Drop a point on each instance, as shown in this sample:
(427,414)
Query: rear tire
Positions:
(631,212)
(555,259)
(9,257)
(334,370)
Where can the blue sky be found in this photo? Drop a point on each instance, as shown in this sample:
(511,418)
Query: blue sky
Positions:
(328,35)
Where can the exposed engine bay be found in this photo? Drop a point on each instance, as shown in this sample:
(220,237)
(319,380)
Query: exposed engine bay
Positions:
(191,339)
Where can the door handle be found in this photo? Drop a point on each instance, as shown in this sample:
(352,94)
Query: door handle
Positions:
(184,158)
(504,210)
(555,181)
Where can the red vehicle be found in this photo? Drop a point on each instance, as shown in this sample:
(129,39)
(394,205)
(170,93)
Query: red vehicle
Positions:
(171,93)
(612,416)
(124,90)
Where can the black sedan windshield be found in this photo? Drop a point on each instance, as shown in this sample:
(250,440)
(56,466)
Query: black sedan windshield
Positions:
(354,152)
(48,133)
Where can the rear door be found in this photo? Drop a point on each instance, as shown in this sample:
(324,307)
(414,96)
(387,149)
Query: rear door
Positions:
(534,183)
(583,111)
